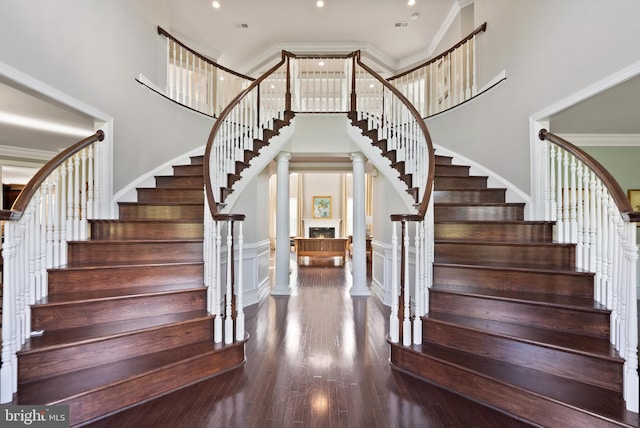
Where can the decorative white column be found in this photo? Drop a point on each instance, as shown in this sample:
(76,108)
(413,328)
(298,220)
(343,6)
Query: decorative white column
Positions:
(281,287)
(359,257)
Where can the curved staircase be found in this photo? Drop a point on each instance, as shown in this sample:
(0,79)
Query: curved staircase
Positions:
(512,323)
(126,320)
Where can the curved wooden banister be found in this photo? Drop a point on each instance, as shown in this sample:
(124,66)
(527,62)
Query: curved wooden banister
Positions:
(424,203)
(213,206)
(619,196)
(478,30)
(21,202)
(163,32)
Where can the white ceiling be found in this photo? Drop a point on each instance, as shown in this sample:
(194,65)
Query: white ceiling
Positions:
(299,26)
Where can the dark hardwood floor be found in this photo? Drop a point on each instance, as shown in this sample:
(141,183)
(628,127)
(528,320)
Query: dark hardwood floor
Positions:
(315,359)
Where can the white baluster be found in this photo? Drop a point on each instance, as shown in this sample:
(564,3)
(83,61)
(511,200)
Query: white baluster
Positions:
(419,287)
(239,288)
(228,320)
(580,218)
(76,197)
(631,384)
(217,322)
(550,204)
(406,325)
(559,191)
(394,325)
(91,200)
(82,194)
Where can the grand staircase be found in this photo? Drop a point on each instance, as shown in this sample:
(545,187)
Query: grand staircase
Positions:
(512,323)
(126,320)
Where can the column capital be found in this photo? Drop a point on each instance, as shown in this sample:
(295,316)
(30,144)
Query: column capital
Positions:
(283,157)
(357,157)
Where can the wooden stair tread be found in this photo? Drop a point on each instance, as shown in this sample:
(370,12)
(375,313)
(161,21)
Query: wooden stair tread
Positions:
(162,204)
(127,264)
(115,293)
(56,388)
(520,264)
(479,204)
(600,348)
(591,398)
(138,220)
(52,339)
(578,303)
(171,189)
(504,243)
(522,268)
(490,222)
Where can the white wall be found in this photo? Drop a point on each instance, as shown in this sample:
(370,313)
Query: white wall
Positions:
(549,50)
(93,51)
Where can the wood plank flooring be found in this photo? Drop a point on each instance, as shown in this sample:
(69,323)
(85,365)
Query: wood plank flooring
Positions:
(315,359)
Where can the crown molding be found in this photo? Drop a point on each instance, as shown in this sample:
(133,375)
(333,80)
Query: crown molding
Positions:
(604,140)
(25,153)
(420,57)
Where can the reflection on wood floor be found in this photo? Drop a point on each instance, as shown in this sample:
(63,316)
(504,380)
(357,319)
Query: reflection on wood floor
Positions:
(315,359)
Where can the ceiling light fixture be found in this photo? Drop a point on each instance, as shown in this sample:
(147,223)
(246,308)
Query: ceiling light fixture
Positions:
(411,2)
(319,3)
(216,5)
(321,63)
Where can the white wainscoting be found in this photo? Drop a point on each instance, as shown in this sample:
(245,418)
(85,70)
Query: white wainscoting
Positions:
(255,271)
(381,272)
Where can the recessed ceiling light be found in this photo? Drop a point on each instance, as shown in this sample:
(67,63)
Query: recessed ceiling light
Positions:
(319,3)
(411,2)
(321,63)
(216,4)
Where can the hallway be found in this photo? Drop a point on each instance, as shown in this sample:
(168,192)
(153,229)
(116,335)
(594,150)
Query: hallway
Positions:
(315,359)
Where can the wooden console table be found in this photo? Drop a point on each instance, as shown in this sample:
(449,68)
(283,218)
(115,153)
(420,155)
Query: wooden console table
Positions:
(321,247)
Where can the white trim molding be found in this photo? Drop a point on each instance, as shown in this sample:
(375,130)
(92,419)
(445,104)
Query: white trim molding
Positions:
(609,140)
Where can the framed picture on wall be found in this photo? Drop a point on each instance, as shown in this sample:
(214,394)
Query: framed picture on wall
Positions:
(322,207)
(634,198)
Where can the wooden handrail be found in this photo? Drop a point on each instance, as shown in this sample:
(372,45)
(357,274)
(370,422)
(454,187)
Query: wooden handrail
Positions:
(23,199)
(163,32)
(619,196)
(478,30)
(213,206)
(424,204)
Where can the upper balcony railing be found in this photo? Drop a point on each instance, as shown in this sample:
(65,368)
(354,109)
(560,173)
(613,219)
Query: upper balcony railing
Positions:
(197,82)
(52,209)
(445,81)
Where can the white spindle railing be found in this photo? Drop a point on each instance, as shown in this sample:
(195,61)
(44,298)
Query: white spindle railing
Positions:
(591,210)
(196,81)
(51,210)
(444,81)
(396,121)
(223,276)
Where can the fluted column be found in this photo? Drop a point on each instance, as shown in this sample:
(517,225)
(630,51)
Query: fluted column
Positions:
(281,287)
(359,258)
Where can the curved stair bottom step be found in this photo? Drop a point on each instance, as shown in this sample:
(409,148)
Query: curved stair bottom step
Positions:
(157,376)
(506,397)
